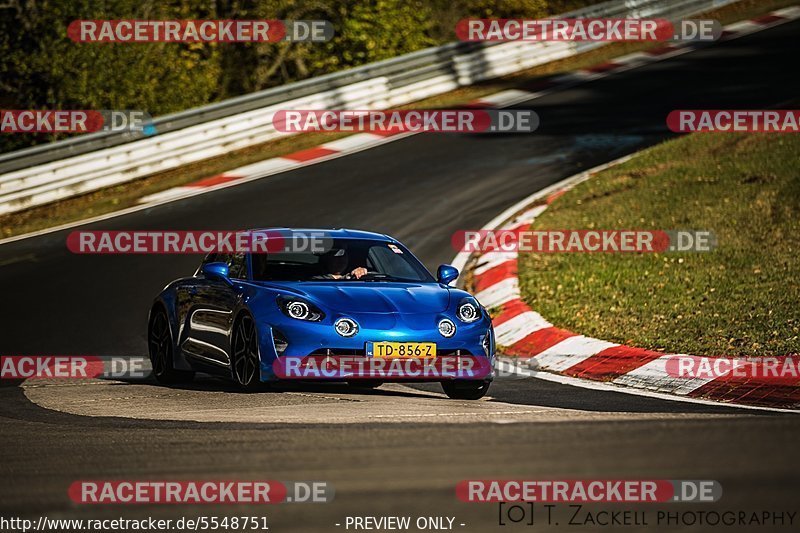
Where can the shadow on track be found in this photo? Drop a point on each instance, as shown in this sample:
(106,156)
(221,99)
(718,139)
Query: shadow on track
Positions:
(538,392)
(203,382)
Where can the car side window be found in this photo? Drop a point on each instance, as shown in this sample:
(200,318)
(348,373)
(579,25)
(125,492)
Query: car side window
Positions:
(237,267)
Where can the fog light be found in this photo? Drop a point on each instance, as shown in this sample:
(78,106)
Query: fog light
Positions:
(447,328)
(346,327)
(279,342)
(486,342)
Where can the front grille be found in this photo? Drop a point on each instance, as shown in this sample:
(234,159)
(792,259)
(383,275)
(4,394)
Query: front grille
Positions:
(338,351)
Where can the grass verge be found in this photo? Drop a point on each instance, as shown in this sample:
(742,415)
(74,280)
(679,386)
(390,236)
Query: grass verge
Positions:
(740,299)
(127,194)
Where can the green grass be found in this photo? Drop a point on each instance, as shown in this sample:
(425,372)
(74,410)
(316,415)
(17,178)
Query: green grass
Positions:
(127,194)
(740,299)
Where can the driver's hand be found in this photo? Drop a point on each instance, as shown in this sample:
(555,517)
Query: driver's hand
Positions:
(358,272)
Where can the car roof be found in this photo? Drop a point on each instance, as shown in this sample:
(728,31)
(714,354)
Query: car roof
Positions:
(335,233)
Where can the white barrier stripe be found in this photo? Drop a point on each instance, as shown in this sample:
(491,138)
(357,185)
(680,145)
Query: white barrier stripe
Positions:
(489,260)
(570,352)
(499,293)
(504,97)
(515,329)
(359,140)
(654,376)
(743,27)
(517,226)
(578,76)
(262,168)
(634,60)
(276,164)
(791,12)
(169,194)
(520,367)
(528,216)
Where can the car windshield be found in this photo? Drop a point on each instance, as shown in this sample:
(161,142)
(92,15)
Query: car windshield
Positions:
(383,261)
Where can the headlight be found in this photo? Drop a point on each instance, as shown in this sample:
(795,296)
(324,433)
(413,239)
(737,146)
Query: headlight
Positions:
(299,309)
(447,328)
(468,310)
(346,327)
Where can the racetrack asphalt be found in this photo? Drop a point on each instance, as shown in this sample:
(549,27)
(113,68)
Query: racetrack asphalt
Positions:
(421,190)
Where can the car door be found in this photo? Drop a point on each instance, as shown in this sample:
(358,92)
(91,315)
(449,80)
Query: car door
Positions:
(210,316)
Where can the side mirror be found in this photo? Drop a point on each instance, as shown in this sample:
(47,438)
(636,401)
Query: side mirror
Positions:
(446,274)
(217,271)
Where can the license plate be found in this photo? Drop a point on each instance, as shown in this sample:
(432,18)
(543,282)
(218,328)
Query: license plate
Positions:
(401,349)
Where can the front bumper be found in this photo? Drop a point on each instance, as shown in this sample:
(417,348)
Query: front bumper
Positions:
(298,339)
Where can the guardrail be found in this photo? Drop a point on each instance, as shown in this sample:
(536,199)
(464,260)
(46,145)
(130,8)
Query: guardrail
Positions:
(59,170)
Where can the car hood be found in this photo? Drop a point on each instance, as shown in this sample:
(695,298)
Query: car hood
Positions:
(375,297)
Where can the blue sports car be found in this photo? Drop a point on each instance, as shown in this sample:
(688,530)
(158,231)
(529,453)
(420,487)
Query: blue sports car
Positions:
(356,294)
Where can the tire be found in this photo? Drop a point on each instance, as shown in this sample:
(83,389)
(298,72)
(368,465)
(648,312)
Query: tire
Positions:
(466,390)
(365,383)
(159,344)
(245,359)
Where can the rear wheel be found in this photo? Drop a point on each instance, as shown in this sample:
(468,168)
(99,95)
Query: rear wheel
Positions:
(466,390)
(245,361)
(159,341)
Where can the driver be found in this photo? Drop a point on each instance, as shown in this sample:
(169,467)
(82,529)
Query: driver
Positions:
(334,263)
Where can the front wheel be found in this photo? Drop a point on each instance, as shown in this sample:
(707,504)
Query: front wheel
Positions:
(159,341)
(245,361)
(466,390)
